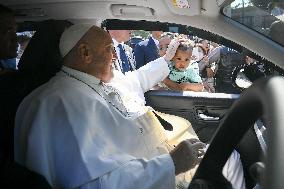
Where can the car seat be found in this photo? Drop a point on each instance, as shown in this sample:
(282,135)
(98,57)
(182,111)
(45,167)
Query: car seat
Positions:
(39,62)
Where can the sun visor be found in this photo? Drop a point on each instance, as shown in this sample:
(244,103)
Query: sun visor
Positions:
(132,11)
(184,7)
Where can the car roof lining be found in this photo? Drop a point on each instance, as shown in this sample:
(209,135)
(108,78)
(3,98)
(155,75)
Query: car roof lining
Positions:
(209,19)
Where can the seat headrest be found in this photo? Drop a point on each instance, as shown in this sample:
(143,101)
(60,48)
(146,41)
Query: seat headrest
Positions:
(42,53)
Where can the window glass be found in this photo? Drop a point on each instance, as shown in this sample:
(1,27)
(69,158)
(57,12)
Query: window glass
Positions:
(219,62)
(263,16)
(23,41)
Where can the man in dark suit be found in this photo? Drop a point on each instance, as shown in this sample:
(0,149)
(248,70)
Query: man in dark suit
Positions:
(147,50)
(125,61)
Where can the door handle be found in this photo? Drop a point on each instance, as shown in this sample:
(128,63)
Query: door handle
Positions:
(202,114)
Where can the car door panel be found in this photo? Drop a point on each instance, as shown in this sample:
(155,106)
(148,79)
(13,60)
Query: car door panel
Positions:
(203,110)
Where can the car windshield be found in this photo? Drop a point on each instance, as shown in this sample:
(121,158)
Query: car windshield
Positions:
(263,16)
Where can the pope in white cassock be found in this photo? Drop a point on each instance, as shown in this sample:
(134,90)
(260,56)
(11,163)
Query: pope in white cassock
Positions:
(88,127)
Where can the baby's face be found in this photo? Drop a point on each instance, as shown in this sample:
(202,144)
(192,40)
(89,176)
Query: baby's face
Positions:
(182,59)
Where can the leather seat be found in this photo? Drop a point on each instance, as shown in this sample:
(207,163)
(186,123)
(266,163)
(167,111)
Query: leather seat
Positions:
(39,62)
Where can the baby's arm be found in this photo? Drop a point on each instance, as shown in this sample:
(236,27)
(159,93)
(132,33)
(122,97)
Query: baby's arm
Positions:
(185,86)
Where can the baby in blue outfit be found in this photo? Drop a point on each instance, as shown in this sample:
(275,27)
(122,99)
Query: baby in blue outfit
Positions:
(182,69)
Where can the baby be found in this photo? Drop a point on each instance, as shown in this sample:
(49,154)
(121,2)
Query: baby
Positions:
(182,68)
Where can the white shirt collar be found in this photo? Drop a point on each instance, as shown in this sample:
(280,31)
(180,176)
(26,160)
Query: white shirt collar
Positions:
(156,41)
(116,43)
(87,78)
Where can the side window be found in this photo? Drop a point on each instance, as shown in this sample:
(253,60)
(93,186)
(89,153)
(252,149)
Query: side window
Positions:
(208,62)
(23,41)
(265,17)
(215,62)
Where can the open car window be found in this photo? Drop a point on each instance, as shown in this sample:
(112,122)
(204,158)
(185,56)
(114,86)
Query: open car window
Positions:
(229,64)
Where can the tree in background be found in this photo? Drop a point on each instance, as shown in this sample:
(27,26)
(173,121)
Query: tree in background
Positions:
(142,33)
(263,4)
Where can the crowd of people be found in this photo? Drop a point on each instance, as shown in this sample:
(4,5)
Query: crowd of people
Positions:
(86,125)
(199,61)
(198,65)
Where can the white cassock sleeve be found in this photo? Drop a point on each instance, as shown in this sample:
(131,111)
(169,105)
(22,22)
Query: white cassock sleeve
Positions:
(139,174)
(150,74)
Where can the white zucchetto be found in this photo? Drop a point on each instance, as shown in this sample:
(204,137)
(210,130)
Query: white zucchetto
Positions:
(71,36)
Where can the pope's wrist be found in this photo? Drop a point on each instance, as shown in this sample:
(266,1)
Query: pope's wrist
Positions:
(166,59)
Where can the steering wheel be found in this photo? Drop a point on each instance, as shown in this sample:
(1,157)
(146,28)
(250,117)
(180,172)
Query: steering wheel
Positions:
(263,99)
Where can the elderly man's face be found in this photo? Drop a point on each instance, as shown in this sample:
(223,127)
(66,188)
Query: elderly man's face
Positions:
(120,35)
(8,37)
(126,34)
(157,34)
(103,56)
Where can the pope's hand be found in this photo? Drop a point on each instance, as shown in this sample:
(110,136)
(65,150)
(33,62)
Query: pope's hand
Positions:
(187,155)
(171,50)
